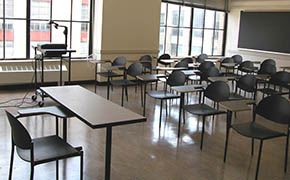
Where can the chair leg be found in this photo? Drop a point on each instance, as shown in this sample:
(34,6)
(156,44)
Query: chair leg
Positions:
(31,171)
(11,163)
(286,152)
(202,133)
(126,92)
(56,169)
(56,125)
(160,114)
(122,102)
(259,158)
(81,165)
(253,147)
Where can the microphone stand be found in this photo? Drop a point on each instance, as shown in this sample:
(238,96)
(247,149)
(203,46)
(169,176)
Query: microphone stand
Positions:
(65,32)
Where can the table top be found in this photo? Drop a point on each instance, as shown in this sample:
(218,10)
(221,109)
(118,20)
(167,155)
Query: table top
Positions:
(188,88)
(173,60)
(56,50)
(150,77)
(98,61)
(229,65)
(263,77)
(193,65)
(92,109)
(190,72)
(170,68)
(110,68)
(237,105)
(222,78)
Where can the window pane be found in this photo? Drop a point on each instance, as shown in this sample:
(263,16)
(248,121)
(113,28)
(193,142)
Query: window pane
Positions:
(218,42)
(183,44)
(163,13)
(220,20)
(1,8)
(198,18)
(81,9)
(61,10)
(207,43)
(196,42)
(57,34)
(171,41)
(39,34)
(161,40)
(1,39)
(14,8)
(80,39)
(173,15)
(209,19)
(185,16)
(40,9)
(15,39)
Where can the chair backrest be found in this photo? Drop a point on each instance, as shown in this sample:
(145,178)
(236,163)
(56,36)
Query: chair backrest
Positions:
(146,57)
(176,78)
(238,59)
(201,58)
(188,60)
(247,83)
(163,56)
(217,91)
(205,65)
(268,61)
(245,64)
(280,78)
(267,69)
(135,69)
(20,135)
(210,72)
(228,60)
(274,108)
(119,61)
(182,64)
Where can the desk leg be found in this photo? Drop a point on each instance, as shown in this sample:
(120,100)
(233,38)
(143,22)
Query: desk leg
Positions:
(108,86)
(69,67)
(96,71)
(60,72)
(144,106)
(180,112)
(229,122)
(64,129)
(108,153)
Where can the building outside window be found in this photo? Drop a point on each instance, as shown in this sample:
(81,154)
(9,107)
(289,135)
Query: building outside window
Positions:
(17,41)
(187,31)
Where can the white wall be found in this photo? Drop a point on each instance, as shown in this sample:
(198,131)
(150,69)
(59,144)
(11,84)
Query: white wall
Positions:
(233,28)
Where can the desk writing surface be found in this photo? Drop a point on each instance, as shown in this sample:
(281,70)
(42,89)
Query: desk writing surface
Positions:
(188,88)
(237,105)
(92,109)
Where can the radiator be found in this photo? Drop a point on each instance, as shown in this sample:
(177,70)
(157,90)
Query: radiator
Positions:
(21,73)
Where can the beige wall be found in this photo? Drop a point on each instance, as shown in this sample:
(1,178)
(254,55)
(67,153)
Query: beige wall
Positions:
(233,28)
(122,27)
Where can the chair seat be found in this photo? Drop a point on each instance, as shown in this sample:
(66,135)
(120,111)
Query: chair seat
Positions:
(194,78)
(58,111)
(254,130)
(109,74)
(124,82)
(48,149)
(202,110)
(162,94)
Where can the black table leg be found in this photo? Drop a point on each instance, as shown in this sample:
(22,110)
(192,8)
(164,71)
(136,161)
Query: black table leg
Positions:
(108,153)
(144,106)
(60,71)
(108,86)
(180,112)
(64,129)
(229,122)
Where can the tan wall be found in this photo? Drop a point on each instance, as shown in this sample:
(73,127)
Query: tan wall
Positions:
(123,27)
(233,28)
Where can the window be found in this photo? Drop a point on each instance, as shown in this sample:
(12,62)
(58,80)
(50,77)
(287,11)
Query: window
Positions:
(191,31)
(21,31)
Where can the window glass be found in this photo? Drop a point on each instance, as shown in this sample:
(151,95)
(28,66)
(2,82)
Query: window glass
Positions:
(198,18)
(185,16)
(80,40)
(173,15)
(81,10)
(220,20)
(196,42)
(218,42)
(163,14)
(61,9)
(209,19)
(161,40)
(171,41)
(14,8)
(58,35)
(183,42)
(207,42)
(40,9)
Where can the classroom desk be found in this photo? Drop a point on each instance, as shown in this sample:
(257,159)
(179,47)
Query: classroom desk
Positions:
(96,62)
(169,60)
(234,106)
(222,78)
(95,111)
(146,79)
(182,90)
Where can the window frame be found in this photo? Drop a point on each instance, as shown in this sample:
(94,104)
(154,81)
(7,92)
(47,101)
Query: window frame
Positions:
(29,20)
(214,29)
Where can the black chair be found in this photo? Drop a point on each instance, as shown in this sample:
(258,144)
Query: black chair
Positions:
(209,72)
(188,60)
(217,91)
(267,69)
(205,65)
(272,108)
(39,150)
(163,56)
(268,61)
(247,84)
(238,59)
(133,70)
(246,67)
(201,58)
(119,61)
(226,61)
(146,61)
(277,82)
(202,67)
(176,78)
